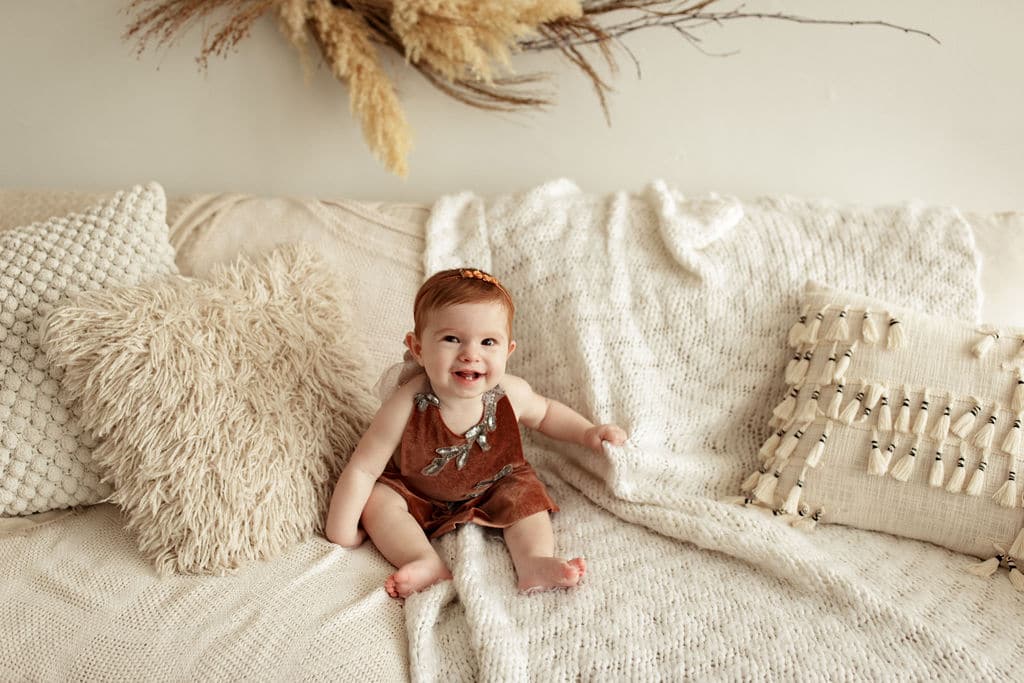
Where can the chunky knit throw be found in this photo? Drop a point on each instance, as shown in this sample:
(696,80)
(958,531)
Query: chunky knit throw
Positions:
(668,315)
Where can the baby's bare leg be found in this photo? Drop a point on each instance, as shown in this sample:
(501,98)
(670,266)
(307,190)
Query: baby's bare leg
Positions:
(400,539)
(532,545)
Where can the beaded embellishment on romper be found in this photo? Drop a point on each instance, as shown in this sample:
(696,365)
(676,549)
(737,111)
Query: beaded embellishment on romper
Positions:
(476,434)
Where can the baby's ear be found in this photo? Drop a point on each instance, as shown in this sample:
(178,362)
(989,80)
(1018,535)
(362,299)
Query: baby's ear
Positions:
(413,344)
(511,346)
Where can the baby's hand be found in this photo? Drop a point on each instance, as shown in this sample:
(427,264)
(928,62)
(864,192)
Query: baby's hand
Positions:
(613,434)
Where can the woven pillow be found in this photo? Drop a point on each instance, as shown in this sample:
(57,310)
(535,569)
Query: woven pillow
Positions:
(45,459)
(899,422)
(226,405)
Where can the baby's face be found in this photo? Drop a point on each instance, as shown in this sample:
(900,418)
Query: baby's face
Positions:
(464,348)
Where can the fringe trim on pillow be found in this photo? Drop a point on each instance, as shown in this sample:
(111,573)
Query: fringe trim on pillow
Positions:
(984,436)
(837,400)
(896,338)
(938,472)
(988,567)
(878,462)
(809,410)
(941,429)
(956,482)
(809,522)
(852,408)
(977,482)
(787,407)
(885,415)
(985,344)
(903,416)
(828,371)
(843,364)
(869,330)
(905,467)
(791,367)
(818,450)
(965,422)
(793,497)
(1018,392)
(1014,442)
(811,333)
(921,420)
(839,330)
(1007,493)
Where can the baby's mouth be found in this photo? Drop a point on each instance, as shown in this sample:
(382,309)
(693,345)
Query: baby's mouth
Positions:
(469,375)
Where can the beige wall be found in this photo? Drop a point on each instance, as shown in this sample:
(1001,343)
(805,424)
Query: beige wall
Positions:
(855,114)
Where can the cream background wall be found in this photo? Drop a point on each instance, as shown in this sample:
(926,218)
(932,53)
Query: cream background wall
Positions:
(855,114)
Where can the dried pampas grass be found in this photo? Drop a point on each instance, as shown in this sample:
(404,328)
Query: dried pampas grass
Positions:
(462,47)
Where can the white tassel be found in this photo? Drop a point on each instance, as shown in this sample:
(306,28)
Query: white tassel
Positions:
(839,330)
(751,481)
(905,467)
(878,463)
(1013,443)
(986,568)
(852,408)
(978,478)
(770,444)
(802,366)
(956,482)
(983,438)
(809,409)
(837,400)
(1016,578)
(965,423)
(885,415)
(808,522)
(938,473)
(903,417)
(828,371)
(791,367)
(765,489)
(985,344)
(784,410)
(793,497)
(843,364)
(1018,393)
(869,330)
(1007,493)
(818,450)
(811,334)
(941,429)
(788,445)
(921,421)
(796,332)
(1017,549)
(896,339)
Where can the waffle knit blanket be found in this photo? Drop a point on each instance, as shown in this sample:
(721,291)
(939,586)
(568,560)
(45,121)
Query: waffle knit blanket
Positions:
(668,316)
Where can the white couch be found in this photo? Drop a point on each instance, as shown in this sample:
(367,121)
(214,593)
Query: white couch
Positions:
(78,602)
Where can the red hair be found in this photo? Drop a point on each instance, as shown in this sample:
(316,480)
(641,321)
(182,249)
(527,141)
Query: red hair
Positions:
(459,286)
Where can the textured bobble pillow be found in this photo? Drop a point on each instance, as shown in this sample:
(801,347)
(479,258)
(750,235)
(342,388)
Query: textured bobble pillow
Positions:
(45,459)
(225,405)
(899,422)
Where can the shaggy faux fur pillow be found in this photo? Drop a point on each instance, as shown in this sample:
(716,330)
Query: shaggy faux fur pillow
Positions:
(227,405)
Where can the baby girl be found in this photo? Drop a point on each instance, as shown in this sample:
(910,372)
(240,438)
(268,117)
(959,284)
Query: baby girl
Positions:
(444,448)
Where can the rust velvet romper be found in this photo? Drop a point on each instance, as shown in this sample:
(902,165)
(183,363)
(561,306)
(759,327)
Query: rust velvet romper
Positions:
(449,479)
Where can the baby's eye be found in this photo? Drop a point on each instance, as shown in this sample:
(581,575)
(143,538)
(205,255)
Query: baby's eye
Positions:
(489,342)
(450,338)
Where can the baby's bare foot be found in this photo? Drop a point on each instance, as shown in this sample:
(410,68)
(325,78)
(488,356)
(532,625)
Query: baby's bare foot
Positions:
(416,576)
(546,573)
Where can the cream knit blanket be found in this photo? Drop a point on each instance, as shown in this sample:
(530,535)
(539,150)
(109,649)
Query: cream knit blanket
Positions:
(668,316)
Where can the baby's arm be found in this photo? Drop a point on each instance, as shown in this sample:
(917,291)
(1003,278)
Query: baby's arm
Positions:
(366,464)
(556,419)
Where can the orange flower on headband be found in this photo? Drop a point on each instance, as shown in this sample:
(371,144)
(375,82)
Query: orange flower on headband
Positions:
(480,275)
